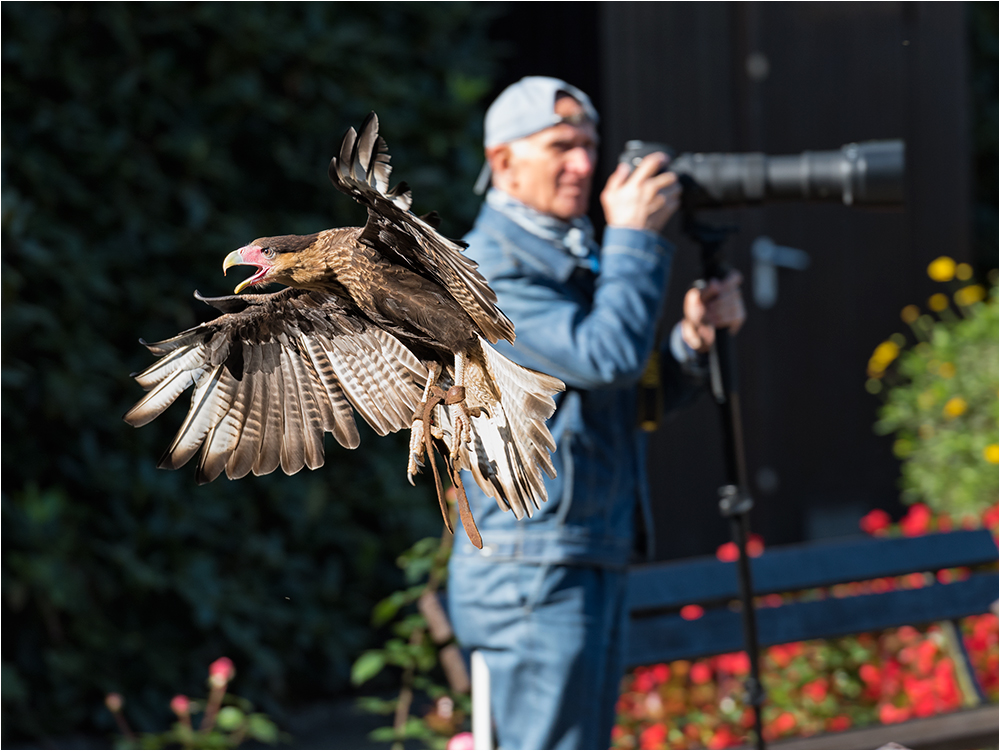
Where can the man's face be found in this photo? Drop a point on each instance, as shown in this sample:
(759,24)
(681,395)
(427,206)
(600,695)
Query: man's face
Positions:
(552,170)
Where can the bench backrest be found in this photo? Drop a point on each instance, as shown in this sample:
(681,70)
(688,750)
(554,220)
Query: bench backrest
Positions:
(658,591)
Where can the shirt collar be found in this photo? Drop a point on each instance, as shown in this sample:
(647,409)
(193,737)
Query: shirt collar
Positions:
(574,239)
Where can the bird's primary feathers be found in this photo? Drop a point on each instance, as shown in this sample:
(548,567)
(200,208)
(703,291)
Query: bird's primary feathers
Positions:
(390,320)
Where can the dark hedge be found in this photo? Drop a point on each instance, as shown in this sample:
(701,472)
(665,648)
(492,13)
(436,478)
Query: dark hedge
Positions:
(141,143)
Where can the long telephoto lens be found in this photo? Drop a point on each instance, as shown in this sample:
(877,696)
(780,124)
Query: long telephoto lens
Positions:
(868,173)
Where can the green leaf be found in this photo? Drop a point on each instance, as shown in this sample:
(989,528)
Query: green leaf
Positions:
(261,728)
(375,705)
(229,718)
(367,666)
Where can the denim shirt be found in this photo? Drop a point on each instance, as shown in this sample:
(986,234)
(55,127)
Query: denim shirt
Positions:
(596,332)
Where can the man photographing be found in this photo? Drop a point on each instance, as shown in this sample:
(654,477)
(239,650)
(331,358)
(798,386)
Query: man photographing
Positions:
(544,601)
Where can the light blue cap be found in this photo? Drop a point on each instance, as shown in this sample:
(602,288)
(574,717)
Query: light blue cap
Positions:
(524,108)
(527,107)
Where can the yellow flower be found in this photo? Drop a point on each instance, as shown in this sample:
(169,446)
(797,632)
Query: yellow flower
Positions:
(938,302)
(884,354)
(941,269)
(947,370)
(963,272)
(955,407)
(992,453)
(969,295)
(910,314)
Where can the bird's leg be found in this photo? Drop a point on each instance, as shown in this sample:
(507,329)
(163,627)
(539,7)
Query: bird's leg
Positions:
(461,416)
(417,428)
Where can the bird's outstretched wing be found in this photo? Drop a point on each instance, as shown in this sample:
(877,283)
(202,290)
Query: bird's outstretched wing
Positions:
(270,376)
(362,171)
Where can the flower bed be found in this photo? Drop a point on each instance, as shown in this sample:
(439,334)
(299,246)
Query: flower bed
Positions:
(816,686)
(812,687)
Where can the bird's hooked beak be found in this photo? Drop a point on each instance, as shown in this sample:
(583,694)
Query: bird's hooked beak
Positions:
(248,255)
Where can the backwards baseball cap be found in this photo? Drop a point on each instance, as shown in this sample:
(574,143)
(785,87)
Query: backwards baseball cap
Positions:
(524,108)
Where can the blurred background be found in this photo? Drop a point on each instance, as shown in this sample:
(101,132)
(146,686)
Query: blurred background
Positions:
(143,142)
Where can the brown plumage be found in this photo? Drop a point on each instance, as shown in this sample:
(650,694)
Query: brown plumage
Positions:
(390,319)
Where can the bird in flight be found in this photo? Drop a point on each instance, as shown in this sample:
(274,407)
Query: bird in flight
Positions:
(390,319)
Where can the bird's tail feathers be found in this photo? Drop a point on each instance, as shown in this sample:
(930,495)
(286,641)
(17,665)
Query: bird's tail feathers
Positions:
(510,445)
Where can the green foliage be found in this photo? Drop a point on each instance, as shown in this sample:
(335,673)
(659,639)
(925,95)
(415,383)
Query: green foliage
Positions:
(414,652)
(226,721)
(942,402)
(143,142)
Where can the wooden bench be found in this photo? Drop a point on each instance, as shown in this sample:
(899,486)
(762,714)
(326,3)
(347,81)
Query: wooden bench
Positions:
(658,591)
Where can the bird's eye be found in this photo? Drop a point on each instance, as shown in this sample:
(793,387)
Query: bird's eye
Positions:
(267,252)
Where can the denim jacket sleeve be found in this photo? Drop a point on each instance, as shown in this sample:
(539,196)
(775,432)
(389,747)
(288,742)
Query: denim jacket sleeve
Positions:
(603,343)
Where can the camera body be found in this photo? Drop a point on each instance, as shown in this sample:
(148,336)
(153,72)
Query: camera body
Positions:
(867,173)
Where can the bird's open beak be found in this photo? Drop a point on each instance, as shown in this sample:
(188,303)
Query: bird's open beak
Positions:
(240,258)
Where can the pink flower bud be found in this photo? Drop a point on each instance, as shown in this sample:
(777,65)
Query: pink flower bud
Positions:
(181,705)
(461,742)
(114,702)
(221,672)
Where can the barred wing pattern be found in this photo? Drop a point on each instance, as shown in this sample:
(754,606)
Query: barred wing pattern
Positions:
(362,171)
(270,376)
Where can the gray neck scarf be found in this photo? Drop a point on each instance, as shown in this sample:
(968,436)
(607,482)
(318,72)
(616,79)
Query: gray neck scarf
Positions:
(576,236)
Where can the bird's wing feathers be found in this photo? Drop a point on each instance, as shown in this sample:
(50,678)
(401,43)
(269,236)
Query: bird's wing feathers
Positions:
(270,376)
(362,171)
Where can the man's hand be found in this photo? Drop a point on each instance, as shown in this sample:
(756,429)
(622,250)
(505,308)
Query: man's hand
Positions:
(718,304)
(643,198)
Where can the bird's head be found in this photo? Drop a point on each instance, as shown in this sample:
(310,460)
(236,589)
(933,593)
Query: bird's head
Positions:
(275,258)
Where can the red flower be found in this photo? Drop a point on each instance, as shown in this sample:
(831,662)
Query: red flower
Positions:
(884,584)
(728,552)
(735,663)
(722,738)
(917,520)
(815,690)
(926,653)
(755,546)
(221,672)
(654,736)
(700,673)
(838,724)
(889,714)
(783,654)
(784,723)
(692,612)
(870,674)
(908,634)
(181,705)
(925,707)
(944,524)
(660,673)
(915,580)
(991,517)
(875,521)
(643,682)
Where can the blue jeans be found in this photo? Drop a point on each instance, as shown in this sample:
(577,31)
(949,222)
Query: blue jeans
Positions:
(552,637)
